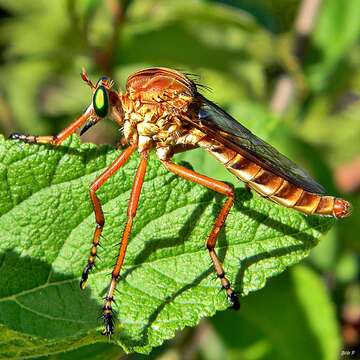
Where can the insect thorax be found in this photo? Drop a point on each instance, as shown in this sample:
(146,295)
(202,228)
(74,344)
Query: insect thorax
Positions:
(158,124)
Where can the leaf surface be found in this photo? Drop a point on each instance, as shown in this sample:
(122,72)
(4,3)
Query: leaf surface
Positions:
(293,318)
(167,281)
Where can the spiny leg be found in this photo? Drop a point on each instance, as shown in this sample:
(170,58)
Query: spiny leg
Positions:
(56,139)
(131,212)
(99,214)
(211,243)
(221,188)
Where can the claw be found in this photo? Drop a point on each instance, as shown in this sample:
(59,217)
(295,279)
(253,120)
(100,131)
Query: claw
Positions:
(85,276)
(17,136)
(83,284)
(108,324)
(234,301)
(14,136)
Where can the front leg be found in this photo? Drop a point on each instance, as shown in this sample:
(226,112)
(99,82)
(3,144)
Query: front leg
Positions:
(131,212)
(99,214)
(56,139)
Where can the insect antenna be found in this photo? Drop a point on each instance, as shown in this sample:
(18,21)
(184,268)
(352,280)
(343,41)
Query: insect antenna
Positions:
(85,78)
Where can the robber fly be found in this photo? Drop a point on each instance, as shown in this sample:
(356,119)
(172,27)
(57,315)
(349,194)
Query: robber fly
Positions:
(162,109)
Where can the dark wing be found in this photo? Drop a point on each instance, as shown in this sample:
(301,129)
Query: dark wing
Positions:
(214,121)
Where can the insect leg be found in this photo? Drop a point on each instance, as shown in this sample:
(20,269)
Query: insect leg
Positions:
(99,215)
(131,212)
(226,190)
(56,139)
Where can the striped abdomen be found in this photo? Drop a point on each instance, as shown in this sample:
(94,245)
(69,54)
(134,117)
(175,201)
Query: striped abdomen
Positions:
(275,187)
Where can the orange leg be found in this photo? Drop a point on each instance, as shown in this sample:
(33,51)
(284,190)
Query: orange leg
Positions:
(99,214)
(57,139)
(224,189)
(131,212)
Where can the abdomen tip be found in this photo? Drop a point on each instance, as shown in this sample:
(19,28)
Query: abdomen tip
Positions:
(342,208)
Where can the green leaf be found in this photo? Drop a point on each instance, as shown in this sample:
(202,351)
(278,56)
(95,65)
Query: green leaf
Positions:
(337,31)
(167,282)
(293,318)
(276,15)
(17,345)
(320,131)
(97,351)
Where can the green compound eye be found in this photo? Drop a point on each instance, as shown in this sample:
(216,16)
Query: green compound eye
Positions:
(101,101)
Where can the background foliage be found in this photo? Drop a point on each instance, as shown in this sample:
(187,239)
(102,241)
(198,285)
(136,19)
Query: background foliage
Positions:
(240,49)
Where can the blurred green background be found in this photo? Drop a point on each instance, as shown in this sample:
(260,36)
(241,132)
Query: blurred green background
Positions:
(289,70)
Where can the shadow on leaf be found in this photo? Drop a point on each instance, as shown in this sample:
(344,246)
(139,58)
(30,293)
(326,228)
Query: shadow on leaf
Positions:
(31,304)
(307,241)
